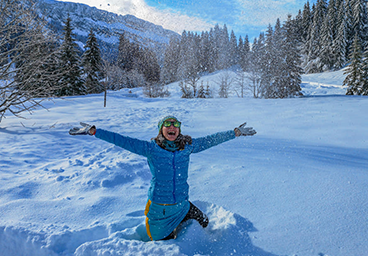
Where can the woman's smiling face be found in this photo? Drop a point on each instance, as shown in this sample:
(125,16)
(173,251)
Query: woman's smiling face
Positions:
(171,132)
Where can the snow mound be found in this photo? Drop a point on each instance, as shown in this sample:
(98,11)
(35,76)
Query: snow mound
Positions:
(226,234)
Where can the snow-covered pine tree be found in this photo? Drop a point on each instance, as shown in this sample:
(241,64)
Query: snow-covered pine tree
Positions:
(214,51)
(225,82)
(223,61)
(268,65)
(254,68)
(240,52)
(92,65)
(136,63)
(337,8)
(306,21)
(183,58)
(146,63)
(280,70)
(354,71)
(244,53)
(292,68)
(327,38)
(194,63)
(364,82)
(313,46)
(203,52)
(233,49)
(126,53)
(360,20)
(208,91)
(70,63)
(171,62)
(201,92)
(350,34)
(189,67)
(340,42)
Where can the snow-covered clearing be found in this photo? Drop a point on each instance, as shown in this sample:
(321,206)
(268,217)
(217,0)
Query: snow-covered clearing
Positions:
(298,187)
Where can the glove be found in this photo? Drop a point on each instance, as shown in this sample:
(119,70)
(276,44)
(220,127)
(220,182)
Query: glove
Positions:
(244,131)
(83,130)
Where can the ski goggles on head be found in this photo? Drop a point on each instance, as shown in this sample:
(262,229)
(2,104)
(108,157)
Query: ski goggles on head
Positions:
(176,124)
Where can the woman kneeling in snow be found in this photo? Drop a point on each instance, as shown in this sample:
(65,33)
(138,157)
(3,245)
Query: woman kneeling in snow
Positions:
(168,159)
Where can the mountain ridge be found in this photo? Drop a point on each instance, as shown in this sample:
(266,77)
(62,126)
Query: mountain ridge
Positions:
(106,25)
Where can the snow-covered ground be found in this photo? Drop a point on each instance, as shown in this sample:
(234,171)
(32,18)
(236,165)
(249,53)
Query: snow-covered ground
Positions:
(298,187)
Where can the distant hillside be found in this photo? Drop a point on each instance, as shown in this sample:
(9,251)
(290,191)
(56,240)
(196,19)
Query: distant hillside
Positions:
(106,25)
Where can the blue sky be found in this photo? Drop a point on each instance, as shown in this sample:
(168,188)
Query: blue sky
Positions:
(243,16)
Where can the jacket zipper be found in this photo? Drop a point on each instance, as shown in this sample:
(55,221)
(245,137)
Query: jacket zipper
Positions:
(174,185)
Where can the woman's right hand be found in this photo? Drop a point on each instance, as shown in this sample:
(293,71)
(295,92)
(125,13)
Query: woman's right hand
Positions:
(84,130)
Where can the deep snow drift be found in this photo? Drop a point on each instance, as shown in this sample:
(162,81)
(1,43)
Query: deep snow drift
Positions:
(298,187)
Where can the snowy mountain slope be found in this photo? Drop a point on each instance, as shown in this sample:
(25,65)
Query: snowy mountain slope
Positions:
(298,187)
(106,25)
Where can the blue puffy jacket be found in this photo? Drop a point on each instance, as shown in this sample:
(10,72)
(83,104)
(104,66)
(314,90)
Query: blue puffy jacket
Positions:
(169,169)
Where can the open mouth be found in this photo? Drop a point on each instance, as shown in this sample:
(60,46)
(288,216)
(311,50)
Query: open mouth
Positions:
(171,133)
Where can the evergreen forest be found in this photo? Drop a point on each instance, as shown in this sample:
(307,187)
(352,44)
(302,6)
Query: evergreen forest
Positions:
(36,64)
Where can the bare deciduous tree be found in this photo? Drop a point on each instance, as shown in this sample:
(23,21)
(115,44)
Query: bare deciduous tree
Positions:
(155,90)
(28,65)
(241,82)
(186,91)
(192,81)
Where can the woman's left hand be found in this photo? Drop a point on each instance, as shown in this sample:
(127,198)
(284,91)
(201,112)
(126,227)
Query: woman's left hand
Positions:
(244,131)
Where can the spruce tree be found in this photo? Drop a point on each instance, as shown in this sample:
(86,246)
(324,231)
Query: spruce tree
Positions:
(214,51)
(201,92)
(147,65)
(292,68)
(327,38)
(244,53)
(313,62)
(364,82)
(92,65)
(241,53)
(171,62)
(279,68)
(341,40)
(269,62)
(126,53)
(190,62)
(255,66)
(223,60)
(350,34)
(360,20)
(306,21)
(233,49)
(183,62)
(71,82)
(354,71)
(205,53)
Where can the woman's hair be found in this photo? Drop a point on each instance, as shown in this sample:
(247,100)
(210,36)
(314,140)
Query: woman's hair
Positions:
(180,141)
